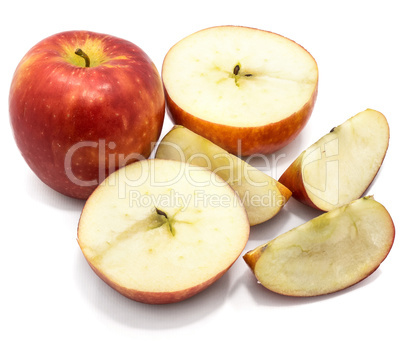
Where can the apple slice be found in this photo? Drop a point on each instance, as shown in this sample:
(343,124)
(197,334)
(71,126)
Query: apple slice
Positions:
(328,253)
(247,90)
(262,196)
(340,166)
(160,231)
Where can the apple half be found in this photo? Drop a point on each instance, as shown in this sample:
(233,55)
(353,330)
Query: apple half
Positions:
(247,90)
(262,196)
(327,254)
(160,231)
(340,166)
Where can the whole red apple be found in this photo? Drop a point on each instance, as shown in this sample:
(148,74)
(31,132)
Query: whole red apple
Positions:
(82,105)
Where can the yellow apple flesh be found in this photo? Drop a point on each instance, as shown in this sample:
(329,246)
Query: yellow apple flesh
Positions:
(327,254)
(262,196)
(340,166)
(247,90)
(160,231)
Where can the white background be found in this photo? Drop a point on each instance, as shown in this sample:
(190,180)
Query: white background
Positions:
(48,292)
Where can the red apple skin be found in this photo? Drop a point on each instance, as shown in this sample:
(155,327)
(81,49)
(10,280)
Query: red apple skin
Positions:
(252,256)
(245,141)
(76,125)
(163,297)
(292,178)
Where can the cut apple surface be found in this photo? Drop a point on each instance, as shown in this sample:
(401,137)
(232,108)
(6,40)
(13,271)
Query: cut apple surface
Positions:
(328,253)
(247,90)
(340,166)
(160,231)
(262,196)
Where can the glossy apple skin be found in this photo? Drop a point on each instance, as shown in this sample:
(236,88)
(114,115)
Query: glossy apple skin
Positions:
(163,297)
(245,141)
(252,256)
(292,178)
(76,125)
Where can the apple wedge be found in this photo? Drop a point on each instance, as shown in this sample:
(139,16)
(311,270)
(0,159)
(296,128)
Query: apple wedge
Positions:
(327,254)
(247,90)
(262,196)
(340,166)
(160,231)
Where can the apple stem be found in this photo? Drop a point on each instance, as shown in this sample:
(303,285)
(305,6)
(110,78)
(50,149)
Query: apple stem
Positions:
(161,213)
(79,52)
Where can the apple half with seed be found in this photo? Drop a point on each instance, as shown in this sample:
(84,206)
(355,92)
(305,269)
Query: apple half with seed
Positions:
(262,196)
(340,166)
(160,231)
(329,253)
(247,90)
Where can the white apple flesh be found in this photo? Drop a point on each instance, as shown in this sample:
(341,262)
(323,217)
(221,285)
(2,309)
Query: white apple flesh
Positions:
(247,90)
(340,166)
(327,254)
(160,231)
(262,196)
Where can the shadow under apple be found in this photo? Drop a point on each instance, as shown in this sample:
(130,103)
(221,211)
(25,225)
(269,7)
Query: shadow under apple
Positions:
(145,316)
(40,192)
